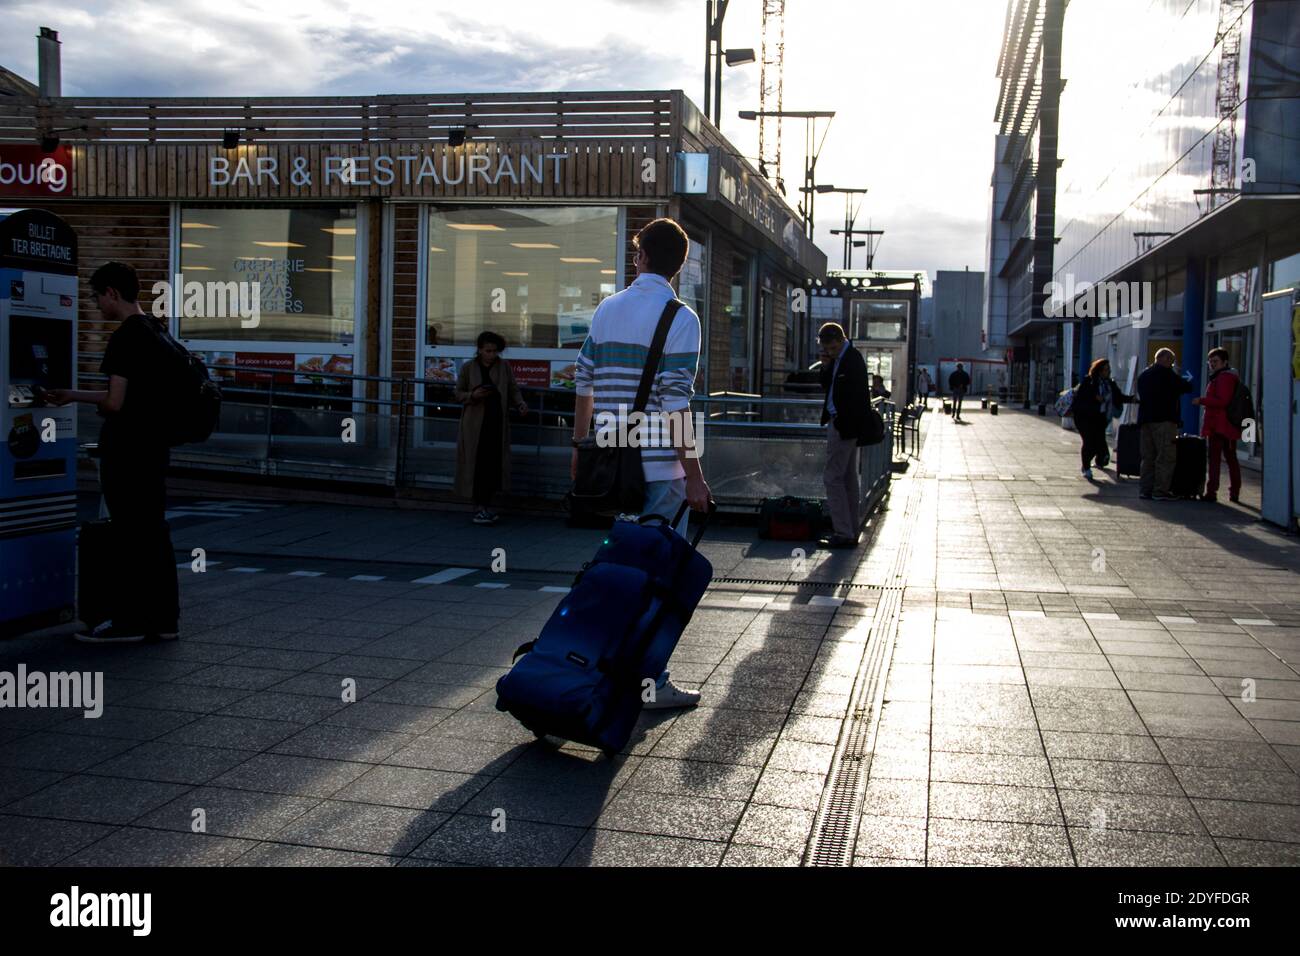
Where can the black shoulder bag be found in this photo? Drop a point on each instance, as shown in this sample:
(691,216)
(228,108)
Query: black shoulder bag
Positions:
(610,480)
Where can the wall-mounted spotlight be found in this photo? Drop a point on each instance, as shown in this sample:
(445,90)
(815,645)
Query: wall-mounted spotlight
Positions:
(455,137)
(50,138)
(230,139)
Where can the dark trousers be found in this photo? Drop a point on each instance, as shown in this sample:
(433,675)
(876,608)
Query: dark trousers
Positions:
(1222,446)
(1093,433)
(957,395)
(145,594)
(487,463)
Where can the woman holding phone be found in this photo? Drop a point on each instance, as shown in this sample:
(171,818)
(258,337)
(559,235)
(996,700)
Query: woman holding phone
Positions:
(486,388)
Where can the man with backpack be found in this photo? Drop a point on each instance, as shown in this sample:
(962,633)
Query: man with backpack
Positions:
(610,365)
(1227,403)
(958,383)
(134,449)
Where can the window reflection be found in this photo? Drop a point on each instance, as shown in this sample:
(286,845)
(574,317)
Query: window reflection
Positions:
(533,274)
(302,257)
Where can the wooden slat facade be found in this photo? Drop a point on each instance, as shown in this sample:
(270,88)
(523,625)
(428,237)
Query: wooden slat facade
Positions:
(137,156)
(594,170)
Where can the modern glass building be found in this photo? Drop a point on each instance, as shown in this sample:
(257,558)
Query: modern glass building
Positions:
(1166,140)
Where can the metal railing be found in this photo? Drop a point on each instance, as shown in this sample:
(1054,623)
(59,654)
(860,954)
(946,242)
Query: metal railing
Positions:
(405,436)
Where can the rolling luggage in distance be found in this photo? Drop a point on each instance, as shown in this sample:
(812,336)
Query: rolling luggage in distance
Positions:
(585,676)
(790,519)
(1189,467)
(1128,450)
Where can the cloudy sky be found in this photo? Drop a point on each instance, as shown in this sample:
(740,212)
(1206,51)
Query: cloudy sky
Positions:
(912,82)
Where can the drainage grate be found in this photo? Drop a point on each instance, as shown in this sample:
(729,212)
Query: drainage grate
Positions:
(835,829)
(778,583)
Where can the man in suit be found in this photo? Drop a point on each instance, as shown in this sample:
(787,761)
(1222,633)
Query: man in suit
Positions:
(844,378)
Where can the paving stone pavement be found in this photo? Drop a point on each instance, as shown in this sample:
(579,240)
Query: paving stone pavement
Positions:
(1044,703)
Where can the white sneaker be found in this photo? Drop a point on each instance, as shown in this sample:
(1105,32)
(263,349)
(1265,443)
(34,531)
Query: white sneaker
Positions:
(1087,473)
(106,633)
(670,695)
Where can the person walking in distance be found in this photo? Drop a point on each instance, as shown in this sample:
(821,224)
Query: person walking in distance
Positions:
(958,383)
(1097,399)
(1222,436)
(923,387)
(844,377)
(133,465)
(610,365)
(1160,389)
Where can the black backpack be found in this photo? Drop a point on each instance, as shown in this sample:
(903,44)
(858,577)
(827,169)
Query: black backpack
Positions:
(195,401)
(1241,406)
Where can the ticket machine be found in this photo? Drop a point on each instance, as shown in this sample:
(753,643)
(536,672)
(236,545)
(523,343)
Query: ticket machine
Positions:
(38,443)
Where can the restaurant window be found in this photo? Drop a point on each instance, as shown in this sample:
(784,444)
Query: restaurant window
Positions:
(533,274)
(738,324)
(692,283)
(303,259)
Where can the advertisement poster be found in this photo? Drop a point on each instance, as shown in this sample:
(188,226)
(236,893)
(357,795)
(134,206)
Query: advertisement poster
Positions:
(314,369)
(562,374)
(441,369)
(251,364)
(531,373)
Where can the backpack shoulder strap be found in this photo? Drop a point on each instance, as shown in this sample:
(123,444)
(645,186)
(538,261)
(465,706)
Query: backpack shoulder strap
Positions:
(656,353)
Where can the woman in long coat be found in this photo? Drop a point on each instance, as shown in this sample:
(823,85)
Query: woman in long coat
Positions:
(487,389)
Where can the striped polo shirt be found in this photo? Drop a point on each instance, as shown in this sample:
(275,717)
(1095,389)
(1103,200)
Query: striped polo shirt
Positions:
(615,352)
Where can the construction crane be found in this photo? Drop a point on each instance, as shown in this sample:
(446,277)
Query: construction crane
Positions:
(771,92)
(1227,97)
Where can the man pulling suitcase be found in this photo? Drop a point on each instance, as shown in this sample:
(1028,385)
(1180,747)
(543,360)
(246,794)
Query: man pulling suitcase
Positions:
(600,658)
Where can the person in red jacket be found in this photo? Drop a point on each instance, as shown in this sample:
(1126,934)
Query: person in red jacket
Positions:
(1220,432)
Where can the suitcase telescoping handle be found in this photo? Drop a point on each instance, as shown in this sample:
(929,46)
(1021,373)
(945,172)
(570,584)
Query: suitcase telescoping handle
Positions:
(699,532)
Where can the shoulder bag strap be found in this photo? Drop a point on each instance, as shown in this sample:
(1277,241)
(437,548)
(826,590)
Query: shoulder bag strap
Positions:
(656,353)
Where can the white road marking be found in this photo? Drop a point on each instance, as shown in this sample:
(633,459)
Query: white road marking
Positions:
(442,577)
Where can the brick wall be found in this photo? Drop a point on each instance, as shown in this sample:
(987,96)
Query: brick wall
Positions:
(134,233)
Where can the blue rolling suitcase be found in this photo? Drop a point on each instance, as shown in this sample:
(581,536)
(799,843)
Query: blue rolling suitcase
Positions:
(582,678)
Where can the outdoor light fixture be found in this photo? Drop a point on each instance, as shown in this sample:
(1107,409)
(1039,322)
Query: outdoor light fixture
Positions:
(230,137)
(812,149)
(738,56)
(50,139)
(455,137)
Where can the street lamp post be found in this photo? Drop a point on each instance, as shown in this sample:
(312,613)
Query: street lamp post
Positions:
(714,13)
(850,216)
(812,149)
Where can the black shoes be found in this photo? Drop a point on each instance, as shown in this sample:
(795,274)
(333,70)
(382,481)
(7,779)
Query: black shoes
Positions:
(838,541)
